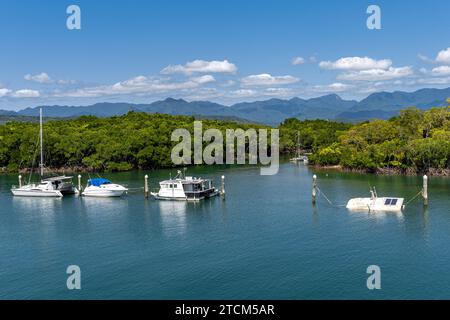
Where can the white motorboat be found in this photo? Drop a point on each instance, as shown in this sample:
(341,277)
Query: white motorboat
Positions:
(185,189)
(375,203)
(46,188)
(100,187)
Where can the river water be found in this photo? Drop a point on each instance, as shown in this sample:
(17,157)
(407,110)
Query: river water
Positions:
(264,241)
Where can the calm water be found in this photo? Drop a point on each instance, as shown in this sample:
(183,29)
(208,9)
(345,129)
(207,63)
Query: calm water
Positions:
(265,241)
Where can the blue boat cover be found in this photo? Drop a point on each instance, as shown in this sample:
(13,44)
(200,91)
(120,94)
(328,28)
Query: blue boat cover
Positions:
(98,182)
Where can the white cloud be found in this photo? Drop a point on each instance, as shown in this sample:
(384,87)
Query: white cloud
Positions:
(203,79)
(25,93)
(201,66)
(39,78)
(298,60)
(242,93)
(443,56)
(441,71)
(424,58)
(4,92)
(139,85)
(377,74)
(356,63)
(64,82)
(44,78)
(334,87)
(266,79)
(434,81)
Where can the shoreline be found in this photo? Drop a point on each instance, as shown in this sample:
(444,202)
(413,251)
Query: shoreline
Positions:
(379,171)
(387,171)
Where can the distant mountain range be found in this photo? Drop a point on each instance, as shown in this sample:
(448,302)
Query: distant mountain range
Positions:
(381,105)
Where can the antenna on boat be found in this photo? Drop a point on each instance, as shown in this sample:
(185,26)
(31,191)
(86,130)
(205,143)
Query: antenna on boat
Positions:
(41,165)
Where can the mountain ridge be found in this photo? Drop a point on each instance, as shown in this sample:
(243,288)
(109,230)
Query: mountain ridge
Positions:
(380,105)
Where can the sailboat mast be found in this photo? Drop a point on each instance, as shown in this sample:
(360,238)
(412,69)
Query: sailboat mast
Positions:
(41,165)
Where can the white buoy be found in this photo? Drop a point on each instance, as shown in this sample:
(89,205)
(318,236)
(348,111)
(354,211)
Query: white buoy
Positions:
(146,186)
(314,189)
(20,181)
(425,190)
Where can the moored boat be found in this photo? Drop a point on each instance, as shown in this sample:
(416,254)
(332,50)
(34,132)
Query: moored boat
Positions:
(185,189)
(45,188)
(375,203)
(100,187)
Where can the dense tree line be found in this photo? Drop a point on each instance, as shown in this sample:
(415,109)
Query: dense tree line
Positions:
(135,140)
(415,140)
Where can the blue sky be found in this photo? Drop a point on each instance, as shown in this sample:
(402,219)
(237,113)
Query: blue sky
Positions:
(223,51)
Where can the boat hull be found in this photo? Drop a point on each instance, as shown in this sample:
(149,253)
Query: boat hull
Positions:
(377,204)
(37,193)
(186,198)
(104,193)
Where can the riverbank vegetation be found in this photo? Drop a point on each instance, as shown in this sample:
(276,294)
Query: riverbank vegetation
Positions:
(135,140)
(416,141)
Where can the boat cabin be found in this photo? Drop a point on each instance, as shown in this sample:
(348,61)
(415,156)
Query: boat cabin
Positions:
(187,188)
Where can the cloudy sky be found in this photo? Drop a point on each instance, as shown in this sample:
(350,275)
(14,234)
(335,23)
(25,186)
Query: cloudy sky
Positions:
(223,51)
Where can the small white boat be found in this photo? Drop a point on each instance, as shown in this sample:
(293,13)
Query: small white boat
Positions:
(303,159)
(44,189)
(299,157)
(375,203)
(100,187)
(185,189)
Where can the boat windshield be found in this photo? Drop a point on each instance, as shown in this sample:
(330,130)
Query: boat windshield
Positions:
(98,182)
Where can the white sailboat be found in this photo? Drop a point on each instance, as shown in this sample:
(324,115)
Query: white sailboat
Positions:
(45,188)
(299,157)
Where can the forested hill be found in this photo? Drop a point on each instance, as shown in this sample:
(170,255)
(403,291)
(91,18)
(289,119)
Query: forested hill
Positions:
(416,141)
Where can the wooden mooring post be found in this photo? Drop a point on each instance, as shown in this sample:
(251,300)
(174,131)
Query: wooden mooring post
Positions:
(146,186)
(222,191)
(425,191)
(314,189)
(79,185)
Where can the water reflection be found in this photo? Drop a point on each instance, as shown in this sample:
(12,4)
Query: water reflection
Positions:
(379,215)
(104,205)
(173,216)
(36,206)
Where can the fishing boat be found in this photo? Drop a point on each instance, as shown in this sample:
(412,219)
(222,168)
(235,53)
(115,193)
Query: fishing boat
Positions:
(45,188)
(375,203)
(100,187)
(184,188)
